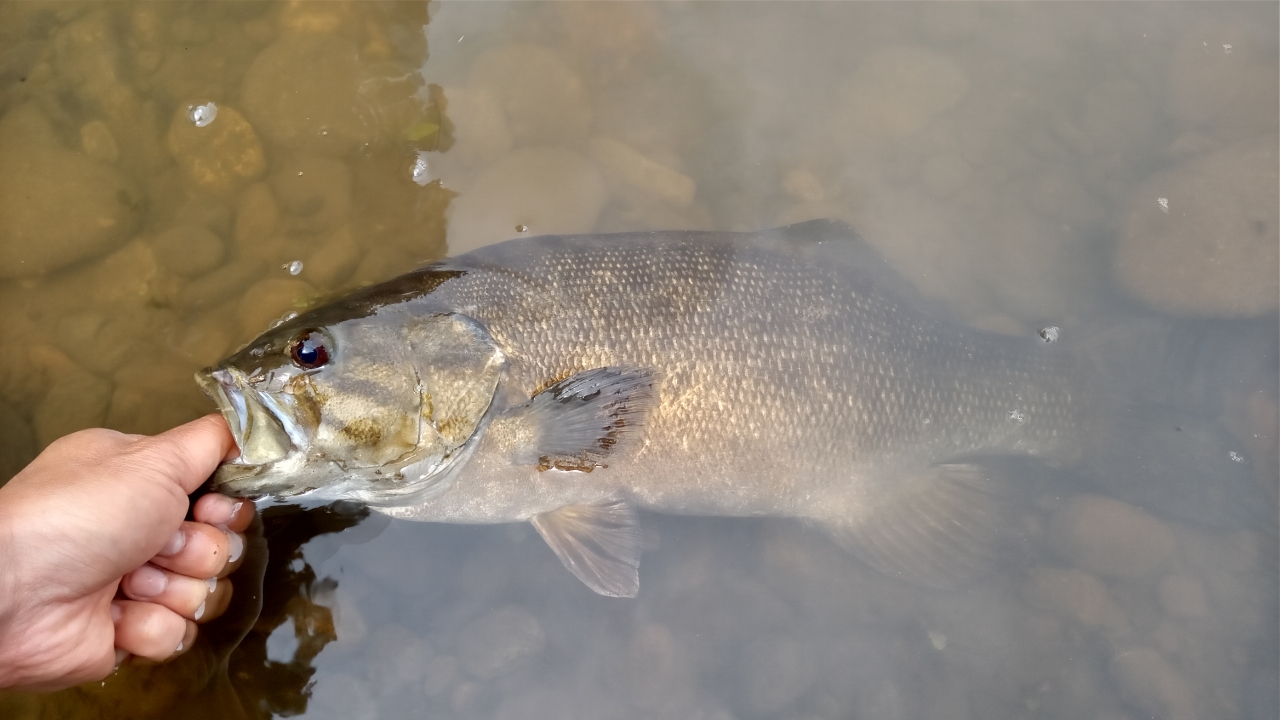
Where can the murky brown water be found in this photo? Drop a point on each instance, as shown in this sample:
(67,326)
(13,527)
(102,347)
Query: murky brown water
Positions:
(1026,163)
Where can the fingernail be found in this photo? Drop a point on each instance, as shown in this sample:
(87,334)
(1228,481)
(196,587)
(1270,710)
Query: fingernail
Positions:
(199,613)
(148,582)
(226,510)
(175,544)
(121,656)
(212,584)
(179,648)
(237,546)
(115,613)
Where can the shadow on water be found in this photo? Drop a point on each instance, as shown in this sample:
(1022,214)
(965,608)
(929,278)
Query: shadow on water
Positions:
(230,673)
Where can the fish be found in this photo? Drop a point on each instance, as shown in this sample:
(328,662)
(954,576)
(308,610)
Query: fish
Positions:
(574,381)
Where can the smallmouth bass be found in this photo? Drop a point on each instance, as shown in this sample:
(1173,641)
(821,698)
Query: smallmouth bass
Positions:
(570,381)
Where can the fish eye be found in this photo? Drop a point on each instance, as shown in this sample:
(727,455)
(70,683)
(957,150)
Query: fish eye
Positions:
(310,350)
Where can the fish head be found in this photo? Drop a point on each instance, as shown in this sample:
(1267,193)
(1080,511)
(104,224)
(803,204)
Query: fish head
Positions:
(378,408)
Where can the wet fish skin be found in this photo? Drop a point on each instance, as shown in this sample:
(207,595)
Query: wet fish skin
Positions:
(786,373)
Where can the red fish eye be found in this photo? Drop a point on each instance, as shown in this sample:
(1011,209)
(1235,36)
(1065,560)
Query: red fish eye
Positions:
(309,350)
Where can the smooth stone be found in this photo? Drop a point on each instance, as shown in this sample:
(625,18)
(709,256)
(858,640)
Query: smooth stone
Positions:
(1214,250)
(59,207)
(1147,681)
(76,399)
(189,250)
(627,168)
(396,658)
(545,190)
(544,100)
(774,672)
(301,93)
(257,215)
(481,133)
(221,157)
(97,141)
(895,92)
(153,395)
(1183,597)
(1110,538)
(220,285)
(333,261)
(497,642)
(1075,594)
(1231,94)
(269,300)
(101,342)
(314,193)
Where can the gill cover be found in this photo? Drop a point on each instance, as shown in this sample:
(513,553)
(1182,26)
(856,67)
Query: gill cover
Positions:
(459,366)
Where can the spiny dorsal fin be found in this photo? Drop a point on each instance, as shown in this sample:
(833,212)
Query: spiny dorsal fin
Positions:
(580,421)
(938,528)
(599,543)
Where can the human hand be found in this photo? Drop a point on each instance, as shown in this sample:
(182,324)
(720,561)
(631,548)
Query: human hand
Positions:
(99,511)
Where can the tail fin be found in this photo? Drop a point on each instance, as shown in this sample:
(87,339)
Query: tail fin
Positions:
(1168,391)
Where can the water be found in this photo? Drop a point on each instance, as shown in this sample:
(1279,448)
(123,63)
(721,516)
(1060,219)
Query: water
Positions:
(1025,163)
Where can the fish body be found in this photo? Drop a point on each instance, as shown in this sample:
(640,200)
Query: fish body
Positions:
(569,381)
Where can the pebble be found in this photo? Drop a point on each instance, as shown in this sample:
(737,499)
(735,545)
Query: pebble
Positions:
(59,207)
(153,394)
(383,262)
(544,101)
(76,399)
(440,674)
(481,133)
(803,186)
(1147,681)
(97,141)
(314,193)
(496,643)
(1203,239)
(1183,597)
(1231,93)
(301,93)
(189,250)
(396,657)
(220,285)
(548,190)
(1110,538)
(895,92)
(221,156)
(773,673)
(628,169)
(268,300)
(1074,594)
(257,215)
(203,340)
(333,261)
(101,342)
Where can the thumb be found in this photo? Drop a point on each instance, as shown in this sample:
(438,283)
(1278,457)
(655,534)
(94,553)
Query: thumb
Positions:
(191,452)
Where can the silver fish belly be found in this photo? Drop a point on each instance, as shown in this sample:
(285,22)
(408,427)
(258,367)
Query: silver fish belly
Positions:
(787,373)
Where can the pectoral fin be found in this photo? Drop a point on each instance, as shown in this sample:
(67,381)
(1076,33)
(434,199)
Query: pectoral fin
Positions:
(579,422)
(599,543)
(938,528)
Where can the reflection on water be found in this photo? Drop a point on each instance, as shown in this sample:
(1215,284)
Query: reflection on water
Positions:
(1028,164)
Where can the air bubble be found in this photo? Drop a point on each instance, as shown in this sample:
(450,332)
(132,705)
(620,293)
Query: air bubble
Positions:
(294,267)
(1017,416)
(202,115)
(1235,457)
(522,228)
(1050,334)
(421,172)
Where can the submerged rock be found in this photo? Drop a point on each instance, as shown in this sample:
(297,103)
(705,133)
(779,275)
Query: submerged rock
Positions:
(1203,239)
(1110,537)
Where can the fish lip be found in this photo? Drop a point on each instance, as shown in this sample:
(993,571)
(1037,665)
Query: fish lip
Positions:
(221,387)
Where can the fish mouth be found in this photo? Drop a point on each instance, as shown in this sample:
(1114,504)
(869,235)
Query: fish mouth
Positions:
(261,431)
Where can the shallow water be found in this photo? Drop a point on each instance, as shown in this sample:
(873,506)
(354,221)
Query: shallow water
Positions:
(1027,164)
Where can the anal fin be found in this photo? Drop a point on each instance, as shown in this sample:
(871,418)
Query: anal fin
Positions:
(941,527)
(598,542)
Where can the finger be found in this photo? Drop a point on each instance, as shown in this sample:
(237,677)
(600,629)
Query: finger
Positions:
(192,598)
(199,550)
(218,602)
(229,513)
(191,452)
(148,630)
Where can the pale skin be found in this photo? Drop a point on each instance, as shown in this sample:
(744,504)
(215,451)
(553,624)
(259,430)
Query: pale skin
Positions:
(97,561)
